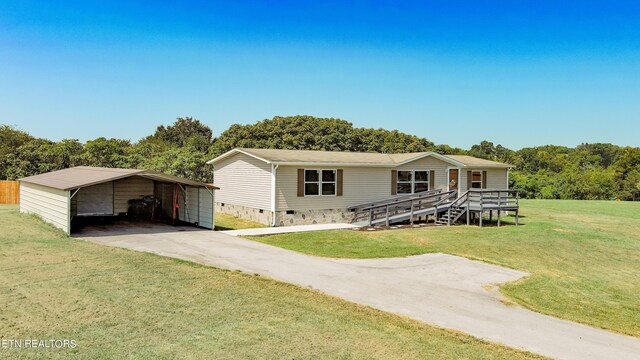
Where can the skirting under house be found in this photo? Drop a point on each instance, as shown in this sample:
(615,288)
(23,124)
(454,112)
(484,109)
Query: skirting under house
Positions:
(287,217)
(313,216)
(260,216)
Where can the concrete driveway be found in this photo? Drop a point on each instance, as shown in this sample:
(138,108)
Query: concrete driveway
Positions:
(444,290)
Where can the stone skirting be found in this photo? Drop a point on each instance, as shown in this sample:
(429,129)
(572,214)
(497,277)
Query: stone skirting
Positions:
(245,212)
(309,217)
(299,217)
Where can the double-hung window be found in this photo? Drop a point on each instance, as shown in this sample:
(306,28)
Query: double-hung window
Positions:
(412,181)
(320,182)
(476,179)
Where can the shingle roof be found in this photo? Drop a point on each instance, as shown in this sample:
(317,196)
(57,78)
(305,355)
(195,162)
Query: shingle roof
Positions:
(81,176)
(474,161)
(353,158)
(273,155)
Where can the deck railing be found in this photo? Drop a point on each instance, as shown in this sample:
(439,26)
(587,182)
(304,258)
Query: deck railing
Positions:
(481,200)
(406,205)
(394,199)
(471,202)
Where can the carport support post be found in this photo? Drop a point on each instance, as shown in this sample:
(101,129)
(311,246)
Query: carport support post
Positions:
(72,193)
(175,200)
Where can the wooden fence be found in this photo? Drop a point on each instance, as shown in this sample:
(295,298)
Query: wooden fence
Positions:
(9,192)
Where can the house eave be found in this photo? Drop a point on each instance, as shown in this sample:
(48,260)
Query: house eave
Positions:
(433,154)
(334,164)
(236,151)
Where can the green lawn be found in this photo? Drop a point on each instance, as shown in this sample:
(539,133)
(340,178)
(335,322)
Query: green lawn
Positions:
(228,222)
(124,304)
(584,256)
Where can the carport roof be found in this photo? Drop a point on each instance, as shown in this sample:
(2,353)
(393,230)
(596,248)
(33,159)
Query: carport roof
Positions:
(81,176)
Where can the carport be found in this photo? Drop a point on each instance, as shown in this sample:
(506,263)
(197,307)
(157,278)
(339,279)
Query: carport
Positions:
(65,197)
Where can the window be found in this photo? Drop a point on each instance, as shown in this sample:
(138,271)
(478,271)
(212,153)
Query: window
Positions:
(320,182)
(412,181)
(328,182)
(421,181)
(405,179)
(476,179)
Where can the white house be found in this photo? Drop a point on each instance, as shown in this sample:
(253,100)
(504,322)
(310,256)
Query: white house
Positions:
(287,187)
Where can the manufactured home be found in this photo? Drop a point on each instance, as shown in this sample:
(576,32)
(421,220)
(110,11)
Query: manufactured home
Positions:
(295,187)
(64,198)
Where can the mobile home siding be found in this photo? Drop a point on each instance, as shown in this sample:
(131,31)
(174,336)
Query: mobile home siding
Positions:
(129,189)
(52,205)
(244,180)
(432,164)
(360,184)
(496,178)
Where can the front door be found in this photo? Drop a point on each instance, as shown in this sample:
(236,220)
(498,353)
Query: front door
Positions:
(453,179)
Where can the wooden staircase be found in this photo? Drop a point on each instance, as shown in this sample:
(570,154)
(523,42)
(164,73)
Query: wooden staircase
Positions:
(450,217)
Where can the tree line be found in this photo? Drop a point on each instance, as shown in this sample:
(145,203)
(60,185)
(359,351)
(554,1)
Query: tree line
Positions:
(587,171)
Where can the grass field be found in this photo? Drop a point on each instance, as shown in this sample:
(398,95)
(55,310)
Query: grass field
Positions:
(123,304)
(584,256)
(228,222)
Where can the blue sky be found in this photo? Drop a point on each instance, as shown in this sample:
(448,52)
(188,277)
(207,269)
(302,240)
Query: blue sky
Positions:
(519,73)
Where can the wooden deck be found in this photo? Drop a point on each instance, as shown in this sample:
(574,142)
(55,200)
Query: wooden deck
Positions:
(444,208)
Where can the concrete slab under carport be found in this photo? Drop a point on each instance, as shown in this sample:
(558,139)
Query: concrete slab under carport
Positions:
(123,227)
(444,290)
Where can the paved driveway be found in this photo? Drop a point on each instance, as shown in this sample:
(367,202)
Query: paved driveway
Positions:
(439,289)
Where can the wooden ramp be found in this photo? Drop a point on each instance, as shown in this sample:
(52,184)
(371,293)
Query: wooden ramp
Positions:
(445,208)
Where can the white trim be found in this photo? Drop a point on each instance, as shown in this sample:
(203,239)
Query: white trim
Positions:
(336,164)
(481,178)
(274,176)
(69,212)
(320,182)
(449,179)
(358,164)
(380,165)
(235,151)
(435,155)
(413,181)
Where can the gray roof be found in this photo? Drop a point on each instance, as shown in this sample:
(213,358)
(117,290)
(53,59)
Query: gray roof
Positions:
(82,176)
(474,161)
(355,158)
